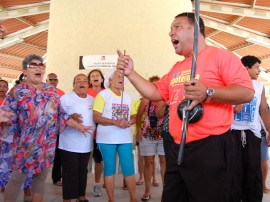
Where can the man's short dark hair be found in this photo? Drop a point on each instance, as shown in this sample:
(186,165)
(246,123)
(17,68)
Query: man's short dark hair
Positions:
(30,58)
(250,60)
(1,80)
(191,19)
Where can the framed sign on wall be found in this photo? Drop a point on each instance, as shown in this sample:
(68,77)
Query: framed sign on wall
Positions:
(98,62)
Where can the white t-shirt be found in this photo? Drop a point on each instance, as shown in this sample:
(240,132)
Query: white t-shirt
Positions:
(109,104)
(71,139)
(248,118)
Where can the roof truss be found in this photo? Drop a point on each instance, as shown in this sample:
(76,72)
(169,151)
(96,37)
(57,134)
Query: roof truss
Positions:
(33,10)
(18,38)
(254,38)
(232,10)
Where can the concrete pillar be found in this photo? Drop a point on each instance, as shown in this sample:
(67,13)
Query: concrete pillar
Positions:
(99,27)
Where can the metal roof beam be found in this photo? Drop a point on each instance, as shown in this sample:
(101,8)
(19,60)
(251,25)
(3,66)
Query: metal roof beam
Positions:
(7,79)
(254,3)
(233,24)
(216,43)
(12,68)
(246,12)
(266,57)
(236,31)
(33,46)
(224,3)
(234,4)
(34,10)
(11,76)
(26,21)
(11,56)
(27,5)
(18,38)
(213,33)
(21,19)
(241,47)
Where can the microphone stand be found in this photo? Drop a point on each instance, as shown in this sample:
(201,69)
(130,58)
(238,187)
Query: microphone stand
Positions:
(193,71)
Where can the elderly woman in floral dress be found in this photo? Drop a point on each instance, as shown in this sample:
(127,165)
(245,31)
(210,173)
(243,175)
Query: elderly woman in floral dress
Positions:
(37,118)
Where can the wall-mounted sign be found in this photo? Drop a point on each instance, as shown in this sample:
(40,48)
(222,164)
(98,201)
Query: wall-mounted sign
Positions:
(98,62)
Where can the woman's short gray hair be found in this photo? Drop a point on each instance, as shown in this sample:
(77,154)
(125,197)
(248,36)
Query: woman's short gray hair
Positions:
(112,75)
(29,58)
(108,77)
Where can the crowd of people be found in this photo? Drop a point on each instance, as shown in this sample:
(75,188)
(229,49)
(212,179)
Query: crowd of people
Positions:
(225,154)
(36,118)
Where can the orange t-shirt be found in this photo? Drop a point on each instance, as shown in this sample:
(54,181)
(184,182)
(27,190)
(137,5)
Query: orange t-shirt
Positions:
(91,92)
(60,92)
(215,68)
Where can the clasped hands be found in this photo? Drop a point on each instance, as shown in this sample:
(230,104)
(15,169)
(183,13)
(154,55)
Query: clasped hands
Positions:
(84,129)
(122,123)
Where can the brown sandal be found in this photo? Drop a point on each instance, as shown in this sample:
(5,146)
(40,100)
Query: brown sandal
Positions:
(155,184)
(139,183)
(147,198)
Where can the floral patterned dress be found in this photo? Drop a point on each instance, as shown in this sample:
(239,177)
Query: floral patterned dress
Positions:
(6,166)
(147,131)
(39,118)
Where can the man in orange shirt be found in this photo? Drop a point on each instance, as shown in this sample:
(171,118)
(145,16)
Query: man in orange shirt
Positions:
(56,170)
(53,80)
(3,90)
(220,81)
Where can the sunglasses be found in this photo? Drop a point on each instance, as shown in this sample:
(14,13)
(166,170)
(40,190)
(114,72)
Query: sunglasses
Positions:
(53,79)
(33,65)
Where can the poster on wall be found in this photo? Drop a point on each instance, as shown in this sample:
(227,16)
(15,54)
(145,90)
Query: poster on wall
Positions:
(98,62)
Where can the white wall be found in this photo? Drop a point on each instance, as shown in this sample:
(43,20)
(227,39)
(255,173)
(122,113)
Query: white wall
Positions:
(99,27)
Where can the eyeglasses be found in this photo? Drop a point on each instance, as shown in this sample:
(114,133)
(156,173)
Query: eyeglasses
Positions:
(53,79)
(33,65)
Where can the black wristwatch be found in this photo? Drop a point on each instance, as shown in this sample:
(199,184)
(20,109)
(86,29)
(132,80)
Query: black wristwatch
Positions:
(209,94)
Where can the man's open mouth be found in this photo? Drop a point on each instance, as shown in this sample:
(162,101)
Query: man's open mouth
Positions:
(175,42)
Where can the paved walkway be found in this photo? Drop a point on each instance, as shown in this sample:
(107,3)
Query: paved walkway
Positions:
(53,193)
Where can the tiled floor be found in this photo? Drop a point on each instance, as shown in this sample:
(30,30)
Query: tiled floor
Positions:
(53,192)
